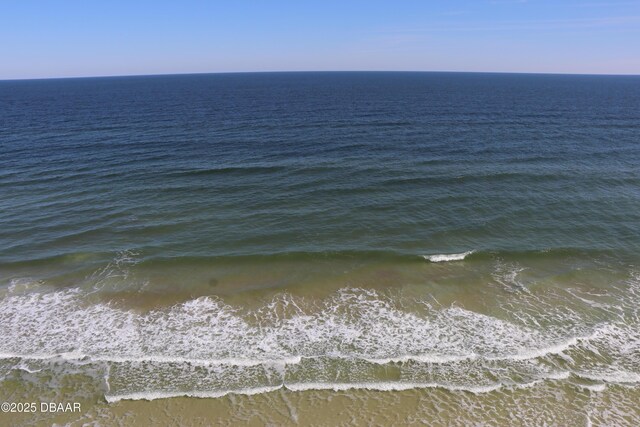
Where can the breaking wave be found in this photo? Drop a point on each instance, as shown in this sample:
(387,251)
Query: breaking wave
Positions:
(447,257)
(356,338)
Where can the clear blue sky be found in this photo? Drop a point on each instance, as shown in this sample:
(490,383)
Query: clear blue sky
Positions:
(89,38)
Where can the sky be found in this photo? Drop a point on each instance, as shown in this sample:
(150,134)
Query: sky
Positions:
(65,38)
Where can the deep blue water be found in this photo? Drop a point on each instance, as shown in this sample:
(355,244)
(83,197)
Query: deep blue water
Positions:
(270,163)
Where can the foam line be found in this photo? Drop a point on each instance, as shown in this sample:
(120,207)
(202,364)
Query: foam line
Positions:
(620,377)
(542,352)
(293,360)
(299,387)
(447,257)
(154,395)
(318,386)
(153,358)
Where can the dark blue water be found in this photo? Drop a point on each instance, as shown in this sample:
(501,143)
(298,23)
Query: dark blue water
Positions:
(271,163)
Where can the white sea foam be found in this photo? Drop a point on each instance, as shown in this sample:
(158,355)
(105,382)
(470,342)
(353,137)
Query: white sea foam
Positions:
(447,257)
(545,351)
(299,387)
(321,386)
(388,386)
(285,341)
(558,375)
(611,375)
(355,324)
(526,354)
(424,358)
(150,358)
(294,360)
(507,274)
(597,388)
(155,395)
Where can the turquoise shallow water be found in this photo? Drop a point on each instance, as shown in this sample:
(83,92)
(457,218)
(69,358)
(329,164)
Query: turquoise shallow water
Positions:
(468,238)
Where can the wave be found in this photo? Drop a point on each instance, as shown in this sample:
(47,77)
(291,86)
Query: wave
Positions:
(596,388)
(297,359)
(160,359)
(88,260)
(546,351)
(447,257)
(353,323)
(611,376)
(384,255)
(528,354)
(302,343)
(383,386)
(154,395)
(378,386)
(311,386)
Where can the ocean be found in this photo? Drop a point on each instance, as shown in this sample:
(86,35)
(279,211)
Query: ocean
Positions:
(336,248)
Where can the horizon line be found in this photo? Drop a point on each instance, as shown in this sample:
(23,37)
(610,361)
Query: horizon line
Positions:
(319,71)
